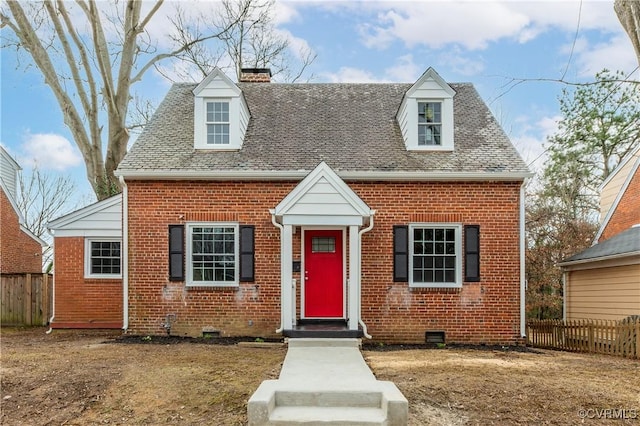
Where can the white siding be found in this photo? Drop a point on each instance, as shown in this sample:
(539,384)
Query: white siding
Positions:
(9,172)
(103,219)
(323,199)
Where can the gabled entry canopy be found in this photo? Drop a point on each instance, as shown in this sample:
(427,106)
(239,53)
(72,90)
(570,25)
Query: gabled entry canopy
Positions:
(322,198)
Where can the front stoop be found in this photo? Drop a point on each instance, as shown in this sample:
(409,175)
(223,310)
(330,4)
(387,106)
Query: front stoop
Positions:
(325,382)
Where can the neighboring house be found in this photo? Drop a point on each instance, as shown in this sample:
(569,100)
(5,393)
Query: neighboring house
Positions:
(257,208)
(20,249)
(88,267)
(603,281)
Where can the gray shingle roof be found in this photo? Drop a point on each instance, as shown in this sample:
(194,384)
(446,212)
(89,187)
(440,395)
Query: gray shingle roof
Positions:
(627,242)
(352,127)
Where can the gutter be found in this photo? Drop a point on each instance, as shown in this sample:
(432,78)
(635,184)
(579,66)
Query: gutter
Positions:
(125,258)
(523,278)
(600,259)
(279,226)
(360,233)
(280,175)
(53,286)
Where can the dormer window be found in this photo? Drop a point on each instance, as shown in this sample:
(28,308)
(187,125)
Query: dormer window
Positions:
(217,123)
(429,123)
(220,113)
(425,115)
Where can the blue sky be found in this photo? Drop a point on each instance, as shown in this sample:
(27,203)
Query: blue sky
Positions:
(485,43)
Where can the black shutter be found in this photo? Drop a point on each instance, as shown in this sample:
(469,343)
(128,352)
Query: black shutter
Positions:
(472,253)
(247,270)
(176,252)
(401,253)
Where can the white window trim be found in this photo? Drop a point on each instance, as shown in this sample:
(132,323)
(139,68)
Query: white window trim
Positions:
(446,125)
(458,234)
(87,258)
(189,249)
(200,130)
(207,122)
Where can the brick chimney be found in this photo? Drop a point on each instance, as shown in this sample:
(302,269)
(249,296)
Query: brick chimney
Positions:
(255,75)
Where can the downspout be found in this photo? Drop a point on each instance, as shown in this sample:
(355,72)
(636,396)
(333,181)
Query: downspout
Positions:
(564,295)
(125,258)
(53,286)
(523,283)
(362,231)
(277,225)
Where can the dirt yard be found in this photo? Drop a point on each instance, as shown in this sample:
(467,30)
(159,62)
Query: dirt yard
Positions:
(93,378)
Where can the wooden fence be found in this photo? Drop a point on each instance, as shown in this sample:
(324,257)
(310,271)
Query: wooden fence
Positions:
(620,338)
(25,299)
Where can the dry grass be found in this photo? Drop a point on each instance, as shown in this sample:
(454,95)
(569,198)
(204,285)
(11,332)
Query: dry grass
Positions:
(75,378)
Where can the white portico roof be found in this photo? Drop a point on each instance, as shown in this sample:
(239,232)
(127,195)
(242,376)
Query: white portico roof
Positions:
(322,198)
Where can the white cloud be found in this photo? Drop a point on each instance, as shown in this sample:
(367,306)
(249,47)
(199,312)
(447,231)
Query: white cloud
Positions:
(473,25)
(531,140)
(49,151)
(470,24)
(284,12)
(614,54)
(350,75)
(405,69)
(461,62)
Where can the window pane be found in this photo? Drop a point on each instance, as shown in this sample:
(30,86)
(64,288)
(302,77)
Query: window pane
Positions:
(323,245)
(451,248)
(105,258)
(217,134)
(450,276)
(434,256)
(217,112)
(213,254)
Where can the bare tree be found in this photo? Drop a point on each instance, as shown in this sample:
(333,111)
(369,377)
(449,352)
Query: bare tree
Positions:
(628,12)
(251,40)
(92,58)
(43,197)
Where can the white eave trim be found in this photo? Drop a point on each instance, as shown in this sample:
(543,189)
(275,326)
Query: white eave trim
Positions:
(300,174)
(63,221)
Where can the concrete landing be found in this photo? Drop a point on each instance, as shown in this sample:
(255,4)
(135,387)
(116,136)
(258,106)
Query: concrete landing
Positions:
(323,382)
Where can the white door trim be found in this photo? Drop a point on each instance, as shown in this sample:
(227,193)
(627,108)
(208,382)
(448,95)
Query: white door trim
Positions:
(343,229)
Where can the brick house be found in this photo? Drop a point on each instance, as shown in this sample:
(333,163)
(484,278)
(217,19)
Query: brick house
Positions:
(603,281)
(262,209)
(87,281)
(20,249)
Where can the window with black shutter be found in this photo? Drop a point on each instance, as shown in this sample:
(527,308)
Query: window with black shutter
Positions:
(176,252)
(401,253)
(472,253)
(247,239)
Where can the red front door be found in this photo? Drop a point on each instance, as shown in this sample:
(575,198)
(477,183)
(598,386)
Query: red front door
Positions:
(323,274)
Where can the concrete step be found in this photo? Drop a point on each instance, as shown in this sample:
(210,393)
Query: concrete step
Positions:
(333,398)
(323,342)
(322,416)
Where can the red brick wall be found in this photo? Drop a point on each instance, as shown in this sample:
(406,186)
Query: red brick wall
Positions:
(81,302)
(19,253)
(627,212)
(484,312)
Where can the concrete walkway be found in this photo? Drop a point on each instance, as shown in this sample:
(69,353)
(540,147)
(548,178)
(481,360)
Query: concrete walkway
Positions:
(323,382)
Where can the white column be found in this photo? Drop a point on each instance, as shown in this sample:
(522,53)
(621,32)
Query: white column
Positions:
(353,299)
(286,257)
